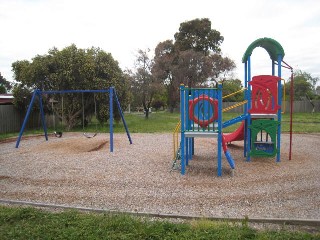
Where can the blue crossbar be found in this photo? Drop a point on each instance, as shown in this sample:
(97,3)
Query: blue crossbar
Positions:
(234,121)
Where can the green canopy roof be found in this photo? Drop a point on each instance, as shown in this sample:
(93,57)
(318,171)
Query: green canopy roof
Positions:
(270,45)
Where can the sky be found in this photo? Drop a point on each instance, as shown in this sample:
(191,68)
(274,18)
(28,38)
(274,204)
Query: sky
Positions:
(121,27)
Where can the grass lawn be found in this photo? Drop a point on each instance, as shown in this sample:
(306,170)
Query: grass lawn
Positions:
(31,223)
(166,122)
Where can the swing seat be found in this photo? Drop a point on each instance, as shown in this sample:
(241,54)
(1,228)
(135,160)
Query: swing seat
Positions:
(58,134)
(90,136)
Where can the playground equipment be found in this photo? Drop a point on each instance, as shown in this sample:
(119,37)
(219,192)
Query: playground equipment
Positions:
(112,97)
(201,113)
(87,135)
(56,133)
(201,116)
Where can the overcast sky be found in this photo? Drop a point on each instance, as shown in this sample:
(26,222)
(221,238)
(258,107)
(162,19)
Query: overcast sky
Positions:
(121,27)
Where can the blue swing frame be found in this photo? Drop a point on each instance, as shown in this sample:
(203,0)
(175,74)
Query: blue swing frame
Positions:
(112,96)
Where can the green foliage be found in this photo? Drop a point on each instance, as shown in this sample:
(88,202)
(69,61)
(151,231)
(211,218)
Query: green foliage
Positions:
(198,36)
(193,59)
(2,89)
(71,69)
(144,85)
(304,86)
(22,97)
(232,86)
(160,100)
(29,223)
(5,85)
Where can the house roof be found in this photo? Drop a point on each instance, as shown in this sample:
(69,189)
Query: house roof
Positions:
(6,98)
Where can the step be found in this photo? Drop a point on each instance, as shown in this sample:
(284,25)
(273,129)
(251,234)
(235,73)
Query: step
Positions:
(202,134)
(264,115)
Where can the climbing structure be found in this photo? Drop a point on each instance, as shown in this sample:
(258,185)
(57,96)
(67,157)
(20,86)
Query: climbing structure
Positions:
(263,109)
(260,128)
(201,116)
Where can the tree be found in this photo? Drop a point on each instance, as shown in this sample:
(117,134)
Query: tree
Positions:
(231,86)
(5,85)
(302,86)
(144,85)
(70,69)
(222,66)
(193,59)
(299,74)
(2,89)
(165,61)
(198,35)
(318,92)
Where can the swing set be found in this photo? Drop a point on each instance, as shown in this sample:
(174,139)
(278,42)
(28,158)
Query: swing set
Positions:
(87,135)
(112,97)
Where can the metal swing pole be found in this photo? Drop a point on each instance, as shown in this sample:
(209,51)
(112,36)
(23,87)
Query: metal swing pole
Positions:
(35,93)
(82,111)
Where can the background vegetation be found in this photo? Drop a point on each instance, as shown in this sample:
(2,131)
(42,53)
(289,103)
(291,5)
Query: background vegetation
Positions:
(193,57)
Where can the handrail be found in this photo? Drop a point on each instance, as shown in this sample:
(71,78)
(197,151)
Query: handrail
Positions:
(176,139)
(234,106)
(234,93)
(284,96)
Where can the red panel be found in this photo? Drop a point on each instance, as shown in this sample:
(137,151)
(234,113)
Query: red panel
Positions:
(264,94)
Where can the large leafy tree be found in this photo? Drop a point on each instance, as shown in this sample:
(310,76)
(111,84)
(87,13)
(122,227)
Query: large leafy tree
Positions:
(304,85)
(144,84)
(165,62)
(70,69)
(193,59)
(198,35)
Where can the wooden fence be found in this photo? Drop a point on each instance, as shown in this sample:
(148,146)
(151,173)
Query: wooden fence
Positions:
(11,119)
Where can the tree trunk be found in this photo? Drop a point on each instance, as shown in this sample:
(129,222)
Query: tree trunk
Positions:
(147,113)
(171,108)
(146,109)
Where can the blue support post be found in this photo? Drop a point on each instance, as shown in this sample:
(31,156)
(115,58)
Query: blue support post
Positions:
(279,111)
(187,151)
(182,116)
(111,118)
(121,114)
(245,109)
(249,107)
(43,121)
(188,127)
(219,130)
(26,118)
